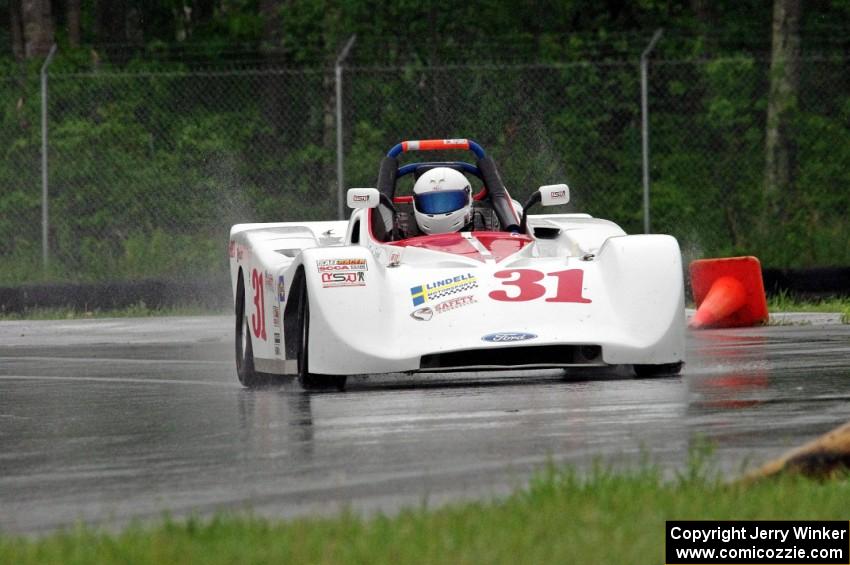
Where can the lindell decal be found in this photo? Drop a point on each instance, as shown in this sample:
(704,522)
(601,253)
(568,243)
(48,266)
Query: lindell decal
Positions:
(445,287)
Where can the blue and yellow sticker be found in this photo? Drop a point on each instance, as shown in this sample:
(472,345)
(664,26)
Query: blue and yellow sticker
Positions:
(445,287)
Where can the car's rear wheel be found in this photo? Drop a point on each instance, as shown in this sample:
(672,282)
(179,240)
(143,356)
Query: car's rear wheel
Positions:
(308,380)
(661,370)
(244,349)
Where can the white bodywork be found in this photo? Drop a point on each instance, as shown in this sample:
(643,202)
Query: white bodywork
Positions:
(586,283)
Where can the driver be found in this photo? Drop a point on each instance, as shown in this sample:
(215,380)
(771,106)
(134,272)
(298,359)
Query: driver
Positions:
(442,201)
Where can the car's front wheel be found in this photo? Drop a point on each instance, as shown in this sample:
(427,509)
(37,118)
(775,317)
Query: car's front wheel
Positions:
(660,370)
(308,380)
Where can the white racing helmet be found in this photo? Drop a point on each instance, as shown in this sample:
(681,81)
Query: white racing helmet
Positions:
(442,201)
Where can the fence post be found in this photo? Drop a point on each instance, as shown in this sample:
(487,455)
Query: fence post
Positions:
(44,224)
(644,123)
(340,181)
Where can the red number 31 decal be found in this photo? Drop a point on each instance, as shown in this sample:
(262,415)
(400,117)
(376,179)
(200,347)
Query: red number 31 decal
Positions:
(527,282)
(258,319)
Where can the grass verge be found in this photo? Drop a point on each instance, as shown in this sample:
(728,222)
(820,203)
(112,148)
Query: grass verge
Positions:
(785,302)
(561,517)
(138,310)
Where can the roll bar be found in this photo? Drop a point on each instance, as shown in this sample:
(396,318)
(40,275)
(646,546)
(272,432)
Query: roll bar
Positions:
(486,169)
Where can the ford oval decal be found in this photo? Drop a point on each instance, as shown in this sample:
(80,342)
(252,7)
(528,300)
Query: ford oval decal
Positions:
(504,337)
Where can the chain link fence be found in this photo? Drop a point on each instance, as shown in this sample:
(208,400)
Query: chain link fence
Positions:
(20,180)
(708,137)
(149,170)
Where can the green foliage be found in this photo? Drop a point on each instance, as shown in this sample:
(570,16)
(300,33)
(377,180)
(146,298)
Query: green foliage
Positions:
(146,165)
(136,255)
(147,146)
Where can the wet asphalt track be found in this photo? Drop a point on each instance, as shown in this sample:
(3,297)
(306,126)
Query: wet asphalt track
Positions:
(109,420)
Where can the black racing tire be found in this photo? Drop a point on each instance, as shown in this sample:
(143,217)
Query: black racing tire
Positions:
(661,370)
(311,381)
(248,377)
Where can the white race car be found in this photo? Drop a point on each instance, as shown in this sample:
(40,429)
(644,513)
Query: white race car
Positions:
(324,300)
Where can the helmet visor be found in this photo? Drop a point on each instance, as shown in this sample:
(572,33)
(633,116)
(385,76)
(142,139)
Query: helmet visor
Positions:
(441,201)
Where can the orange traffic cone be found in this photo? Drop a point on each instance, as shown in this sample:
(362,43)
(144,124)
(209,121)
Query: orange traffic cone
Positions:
(729,292)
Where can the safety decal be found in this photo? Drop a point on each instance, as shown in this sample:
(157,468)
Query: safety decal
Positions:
(281,290)
(423,293)
(454,303)
(426,313)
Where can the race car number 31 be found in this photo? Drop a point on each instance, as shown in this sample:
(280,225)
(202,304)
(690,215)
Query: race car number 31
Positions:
(526,283)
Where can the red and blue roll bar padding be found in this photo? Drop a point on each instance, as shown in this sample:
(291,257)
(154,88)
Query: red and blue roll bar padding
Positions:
(485,170)
(436,145)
